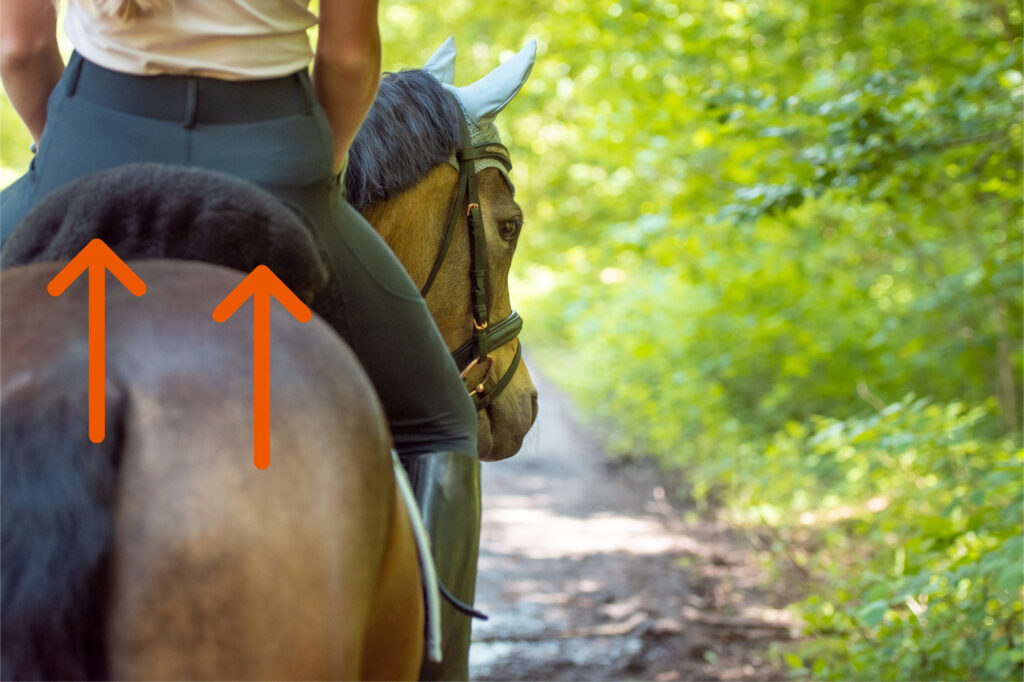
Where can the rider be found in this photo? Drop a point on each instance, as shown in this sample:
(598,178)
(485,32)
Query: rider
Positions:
(224,85)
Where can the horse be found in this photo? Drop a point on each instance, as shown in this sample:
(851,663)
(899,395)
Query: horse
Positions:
(402,162)
(162,552)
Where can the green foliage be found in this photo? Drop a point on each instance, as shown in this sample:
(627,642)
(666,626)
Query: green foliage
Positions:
(788,210)
(14,144)
(830,204)
(917,515)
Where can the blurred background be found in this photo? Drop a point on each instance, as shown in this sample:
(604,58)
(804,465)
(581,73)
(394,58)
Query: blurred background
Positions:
(776,245)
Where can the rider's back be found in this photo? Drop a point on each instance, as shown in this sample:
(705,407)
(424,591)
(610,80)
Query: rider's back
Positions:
(228,39)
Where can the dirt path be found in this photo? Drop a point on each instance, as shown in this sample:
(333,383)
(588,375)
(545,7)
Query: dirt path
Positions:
(588,573)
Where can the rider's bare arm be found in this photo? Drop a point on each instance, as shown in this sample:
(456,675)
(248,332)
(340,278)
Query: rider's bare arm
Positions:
(347,67)
(30,63)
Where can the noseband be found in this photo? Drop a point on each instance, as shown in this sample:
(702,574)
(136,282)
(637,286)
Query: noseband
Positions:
(486,337)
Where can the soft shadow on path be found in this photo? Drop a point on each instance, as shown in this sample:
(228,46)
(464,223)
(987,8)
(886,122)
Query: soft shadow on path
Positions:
(588,573)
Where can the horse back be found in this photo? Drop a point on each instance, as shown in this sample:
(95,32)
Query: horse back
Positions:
(182,559)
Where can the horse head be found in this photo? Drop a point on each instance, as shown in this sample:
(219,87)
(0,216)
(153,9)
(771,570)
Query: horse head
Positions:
(429,172)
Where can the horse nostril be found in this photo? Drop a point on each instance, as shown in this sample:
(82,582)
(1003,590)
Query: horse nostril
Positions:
(533,406)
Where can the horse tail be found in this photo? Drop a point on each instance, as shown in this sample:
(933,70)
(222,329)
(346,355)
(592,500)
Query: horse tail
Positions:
(57,497)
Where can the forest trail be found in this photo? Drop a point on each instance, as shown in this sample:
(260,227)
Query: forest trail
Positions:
(588,572)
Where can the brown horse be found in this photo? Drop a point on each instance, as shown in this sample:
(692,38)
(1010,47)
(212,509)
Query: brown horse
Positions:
(406,183)
(504,423)
(162,552)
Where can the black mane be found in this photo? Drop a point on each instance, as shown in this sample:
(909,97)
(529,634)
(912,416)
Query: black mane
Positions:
(412,127)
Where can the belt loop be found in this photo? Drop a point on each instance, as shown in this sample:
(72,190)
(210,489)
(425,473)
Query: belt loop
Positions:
(74,69)
(191,100)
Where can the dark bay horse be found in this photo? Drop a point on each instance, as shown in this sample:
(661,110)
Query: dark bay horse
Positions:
(162,552)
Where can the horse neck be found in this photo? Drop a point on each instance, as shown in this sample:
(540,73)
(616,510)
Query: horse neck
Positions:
(413,222)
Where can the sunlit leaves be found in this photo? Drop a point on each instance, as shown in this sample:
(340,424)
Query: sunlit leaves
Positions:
(916,513)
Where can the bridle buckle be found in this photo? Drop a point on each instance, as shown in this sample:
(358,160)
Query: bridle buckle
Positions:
(487,374)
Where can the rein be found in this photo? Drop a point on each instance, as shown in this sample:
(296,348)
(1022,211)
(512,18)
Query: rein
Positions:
(486,337)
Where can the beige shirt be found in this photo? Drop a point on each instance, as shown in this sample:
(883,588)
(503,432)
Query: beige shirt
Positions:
(230,39)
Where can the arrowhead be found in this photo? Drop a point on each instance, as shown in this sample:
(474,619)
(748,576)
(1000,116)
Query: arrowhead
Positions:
(96,254)
(261,282)
(97,258)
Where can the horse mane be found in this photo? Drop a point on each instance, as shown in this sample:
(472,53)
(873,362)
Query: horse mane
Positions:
(412,127)
(148,210)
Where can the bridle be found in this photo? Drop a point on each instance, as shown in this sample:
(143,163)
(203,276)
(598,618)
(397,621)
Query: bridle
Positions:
(486,337)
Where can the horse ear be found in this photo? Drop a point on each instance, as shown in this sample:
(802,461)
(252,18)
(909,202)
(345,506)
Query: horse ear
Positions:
(441,64)
(484,99)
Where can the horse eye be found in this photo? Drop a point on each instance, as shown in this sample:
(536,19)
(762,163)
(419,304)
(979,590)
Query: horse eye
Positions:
(510,228)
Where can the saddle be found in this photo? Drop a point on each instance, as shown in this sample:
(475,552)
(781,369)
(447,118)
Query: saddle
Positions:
(149,210)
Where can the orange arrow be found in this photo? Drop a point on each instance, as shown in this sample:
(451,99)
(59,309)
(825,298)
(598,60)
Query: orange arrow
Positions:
(261,284)
(97,258)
